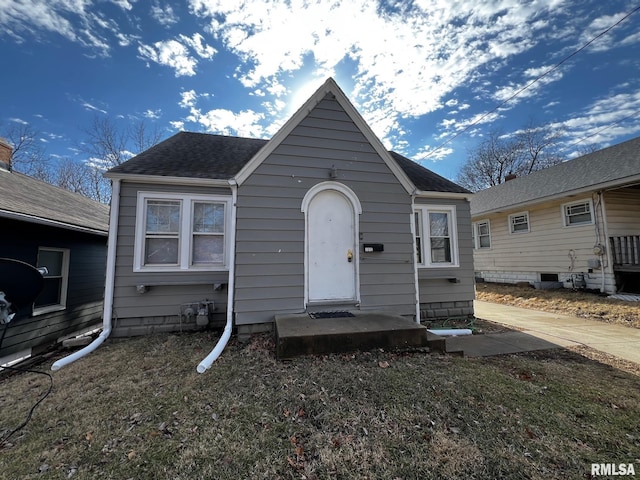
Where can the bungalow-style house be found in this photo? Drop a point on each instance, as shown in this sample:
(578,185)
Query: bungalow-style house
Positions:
(46,226)
(576,224)
(321,217)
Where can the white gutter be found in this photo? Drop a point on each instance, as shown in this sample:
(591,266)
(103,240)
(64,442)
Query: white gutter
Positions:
(108,291)
(205,364)
(24,217)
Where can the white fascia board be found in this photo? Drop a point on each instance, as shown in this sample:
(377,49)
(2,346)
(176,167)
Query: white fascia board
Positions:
(51,223)
(329,86)
(165,180)
(443,195)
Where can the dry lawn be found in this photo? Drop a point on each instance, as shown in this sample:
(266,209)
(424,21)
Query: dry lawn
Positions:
(137,409)
(580,304)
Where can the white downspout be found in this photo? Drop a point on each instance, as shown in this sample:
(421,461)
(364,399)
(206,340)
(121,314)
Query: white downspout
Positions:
(415,260)
(108,290)
(226,334)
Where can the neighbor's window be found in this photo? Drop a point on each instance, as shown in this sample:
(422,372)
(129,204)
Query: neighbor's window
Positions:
(54,292)
(577,213)
(179,232)
(519,222)
(481,235)
(436,236)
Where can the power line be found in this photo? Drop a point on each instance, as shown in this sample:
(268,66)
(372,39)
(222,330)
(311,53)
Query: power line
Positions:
(537,79)
(601,130)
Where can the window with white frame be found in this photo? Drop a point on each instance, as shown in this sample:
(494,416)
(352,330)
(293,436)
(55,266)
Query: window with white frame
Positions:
(53,296)
(181,232)
(577,213)
(436,236)
(481,233)
(519,222)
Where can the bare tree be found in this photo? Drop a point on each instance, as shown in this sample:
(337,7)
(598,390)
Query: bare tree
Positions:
(27,156)
(530,149)
(107,145)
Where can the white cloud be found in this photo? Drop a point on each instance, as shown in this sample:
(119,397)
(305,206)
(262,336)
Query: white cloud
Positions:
(89,106)
(72,19)
(123,4)
(152,114)
(18,120)
(165,16)
(407,61)
(221,121)
(174,53)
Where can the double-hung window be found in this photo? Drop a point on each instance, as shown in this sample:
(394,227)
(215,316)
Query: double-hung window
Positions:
(481,234)
(181,232)
(53,296)
(577,213)
(436,236)
(519,222)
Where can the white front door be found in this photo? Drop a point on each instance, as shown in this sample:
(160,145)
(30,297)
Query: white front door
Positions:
(331,247)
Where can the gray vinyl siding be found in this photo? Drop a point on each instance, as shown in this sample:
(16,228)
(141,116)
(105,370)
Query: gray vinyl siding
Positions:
(271,226)
(85,289)
(158,308)
(439,296)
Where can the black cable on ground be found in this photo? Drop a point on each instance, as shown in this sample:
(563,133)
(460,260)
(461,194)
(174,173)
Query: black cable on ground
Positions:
(24,370)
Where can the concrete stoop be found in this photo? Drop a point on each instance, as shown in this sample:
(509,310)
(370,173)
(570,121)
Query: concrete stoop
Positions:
(299,334)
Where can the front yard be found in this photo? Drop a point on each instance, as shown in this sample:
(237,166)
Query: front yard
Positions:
(137,409)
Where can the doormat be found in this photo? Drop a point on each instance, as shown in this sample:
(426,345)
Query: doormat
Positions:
(316,315)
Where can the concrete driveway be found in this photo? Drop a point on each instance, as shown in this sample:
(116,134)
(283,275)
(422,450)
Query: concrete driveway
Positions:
(565,330)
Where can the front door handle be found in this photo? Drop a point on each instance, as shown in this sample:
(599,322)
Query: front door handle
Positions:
(349,255)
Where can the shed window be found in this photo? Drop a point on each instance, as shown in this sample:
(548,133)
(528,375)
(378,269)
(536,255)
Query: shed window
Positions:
(519,222)
(436,236)
(578,213)
(181,232)
(53,296)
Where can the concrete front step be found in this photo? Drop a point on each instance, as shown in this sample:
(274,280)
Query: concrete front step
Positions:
(301,335)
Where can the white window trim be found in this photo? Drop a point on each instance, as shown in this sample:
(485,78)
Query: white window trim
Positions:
(424,234)
(476,236)
(185,237)
(63,286)
(578,202)
(510,223)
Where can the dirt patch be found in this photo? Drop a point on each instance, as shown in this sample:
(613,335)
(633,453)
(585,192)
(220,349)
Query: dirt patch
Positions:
(568,302)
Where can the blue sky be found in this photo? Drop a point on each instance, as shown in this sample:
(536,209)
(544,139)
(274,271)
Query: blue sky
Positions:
(427,75)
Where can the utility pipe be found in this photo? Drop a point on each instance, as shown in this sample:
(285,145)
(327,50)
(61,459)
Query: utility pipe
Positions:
(110,276)
(205,364)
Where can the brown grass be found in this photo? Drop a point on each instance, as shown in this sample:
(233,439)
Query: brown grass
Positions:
(580,304)
(137,409)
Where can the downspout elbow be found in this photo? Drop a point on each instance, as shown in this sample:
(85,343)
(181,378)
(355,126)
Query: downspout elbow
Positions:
(108,292)
(205,364)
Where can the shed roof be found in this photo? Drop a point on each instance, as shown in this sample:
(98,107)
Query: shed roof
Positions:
(208,156)
(35,201)
(611,167)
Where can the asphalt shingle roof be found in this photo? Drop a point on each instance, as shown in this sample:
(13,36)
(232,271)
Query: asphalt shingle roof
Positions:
(24,195)
(194,155)
(618,164)
(202,155)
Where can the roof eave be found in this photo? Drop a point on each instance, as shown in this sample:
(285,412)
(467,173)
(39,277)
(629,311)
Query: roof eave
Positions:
(611,185)
(23,217)
(450,195)
(168,180)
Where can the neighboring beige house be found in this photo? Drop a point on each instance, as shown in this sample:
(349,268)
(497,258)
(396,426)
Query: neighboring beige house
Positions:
(576,224)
